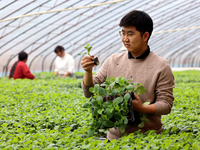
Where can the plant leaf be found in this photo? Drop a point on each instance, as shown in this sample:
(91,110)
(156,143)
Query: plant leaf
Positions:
(86,105)
(89,49)
(130,87)
(99,111)
(102,91)
(113,92)
(91,132)
(146,103)
(126,96)
(117,100)
(141,125)
(112,84)
(122,128)
(87,45)
(91,89)
(125,120)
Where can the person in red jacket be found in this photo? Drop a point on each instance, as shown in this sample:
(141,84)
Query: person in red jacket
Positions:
(20,70)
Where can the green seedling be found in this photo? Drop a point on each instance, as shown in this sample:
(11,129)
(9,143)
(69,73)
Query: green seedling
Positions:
(88,48)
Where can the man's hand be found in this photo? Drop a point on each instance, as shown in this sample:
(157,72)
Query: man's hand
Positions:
(137,104)
(87,63)
(139,107)
(66,75)
(56,73)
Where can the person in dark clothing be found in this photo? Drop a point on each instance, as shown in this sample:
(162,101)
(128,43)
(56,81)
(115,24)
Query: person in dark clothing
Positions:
(20,70)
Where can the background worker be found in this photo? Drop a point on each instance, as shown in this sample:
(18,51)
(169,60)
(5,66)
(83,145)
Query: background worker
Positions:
(64,63)
(20,70)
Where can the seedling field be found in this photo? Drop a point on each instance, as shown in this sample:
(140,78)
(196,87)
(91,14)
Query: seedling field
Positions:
(47,113)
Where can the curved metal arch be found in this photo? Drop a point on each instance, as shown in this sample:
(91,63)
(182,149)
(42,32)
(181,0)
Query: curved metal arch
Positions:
(197,60)
(42,28)
(185,54)
(25,22)
(187,45)
(192,58)
(22,50)
(67,36)
(69,40)
(170,43)
(173,56)
(196,56)
(163,24)
(8,4)
(181,46)
(104,25)
(167,25)
(166,40)
(165,10)
(178,42)
(56,35)
(62,10)
(183,58)
(30,29)
(15,20)
(18,9)
(43,21)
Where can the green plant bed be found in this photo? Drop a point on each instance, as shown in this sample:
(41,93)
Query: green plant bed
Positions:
(47,113)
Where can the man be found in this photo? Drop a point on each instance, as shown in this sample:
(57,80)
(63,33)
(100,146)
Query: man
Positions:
(141,65)
(20,70)
(64,63)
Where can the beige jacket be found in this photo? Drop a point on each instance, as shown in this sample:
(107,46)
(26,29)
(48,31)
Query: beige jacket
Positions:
(155,75)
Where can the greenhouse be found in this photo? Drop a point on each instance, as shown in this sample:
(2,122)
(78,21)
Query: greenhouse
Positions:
(51,112)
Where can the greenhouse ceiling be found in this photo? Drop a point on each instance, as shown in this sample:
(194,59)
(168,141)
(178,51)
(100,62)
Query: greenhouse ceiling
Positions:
(37,27)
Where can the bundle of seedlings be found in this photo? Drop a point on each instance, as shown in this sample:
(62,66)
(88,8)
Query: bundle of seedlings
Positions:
(111,105)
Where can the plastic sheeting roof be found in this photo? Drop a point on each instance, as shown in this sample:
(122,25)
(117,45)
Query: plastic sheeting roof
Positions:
(176,34)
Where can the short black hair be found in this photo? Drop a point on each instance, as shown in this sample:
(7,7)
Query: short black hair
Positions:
(22,56)
(138,19)
(58,49)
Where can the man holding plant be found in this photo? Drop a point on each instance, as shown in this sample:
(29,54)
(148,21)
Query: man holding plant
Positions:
(141,65)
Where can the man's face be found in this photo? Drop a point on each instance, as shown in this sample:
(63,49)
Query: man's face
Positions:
(133,40)
(60,54)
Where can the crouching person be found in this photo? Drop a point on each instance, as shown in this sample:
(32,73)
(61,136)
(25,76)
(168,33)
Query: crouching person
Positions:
(64,63)
(19,69)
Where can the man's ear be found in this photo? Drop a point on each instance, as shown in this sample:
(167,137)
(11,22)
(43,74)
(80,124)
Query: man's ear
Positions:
(146,36)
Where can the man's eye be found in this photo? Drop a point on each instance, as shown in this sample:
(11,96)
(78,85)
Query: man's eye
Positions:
(130,34)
